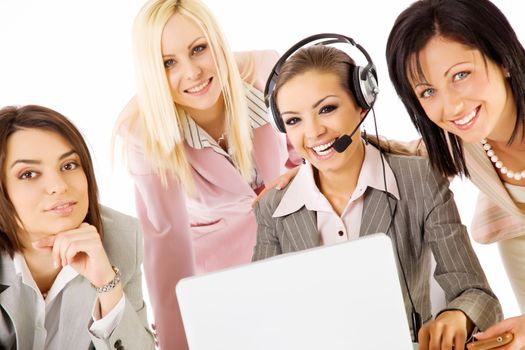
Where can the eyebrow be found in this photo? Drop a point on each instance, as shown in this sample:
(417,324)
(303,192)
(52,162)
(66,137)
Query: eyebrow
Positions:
(32,161)
(189,46)
(444,74)
(313,106)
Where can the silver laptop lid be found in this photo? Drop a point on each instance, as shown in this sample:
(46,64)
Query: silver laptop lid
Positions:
(343,296)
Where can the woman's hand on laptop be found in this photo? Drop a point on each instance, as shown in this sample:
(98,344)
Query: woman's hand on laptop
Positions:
(448,330)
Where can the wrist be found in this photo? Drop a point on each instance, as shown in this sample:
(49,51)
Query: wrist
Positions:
(111,282)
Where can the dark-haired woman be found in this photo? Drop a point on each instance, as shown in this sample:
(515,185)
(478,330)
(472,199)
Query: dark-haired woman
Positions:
(70,273)
(459,68)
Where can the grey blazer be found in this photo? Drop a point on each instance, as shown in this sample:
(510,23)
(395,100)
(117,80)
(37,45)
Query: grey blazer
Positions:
(123,244)
(426,221)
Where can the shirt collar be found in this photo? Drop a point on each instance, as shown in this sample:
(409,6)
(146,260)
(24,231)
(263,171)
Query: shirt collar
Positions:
(197,138)
(303,190)
(66,274)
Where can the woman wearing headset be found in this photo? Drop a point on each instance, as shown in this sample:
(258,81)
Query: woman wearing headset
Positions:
(319,97)
(199,150)
(458,67)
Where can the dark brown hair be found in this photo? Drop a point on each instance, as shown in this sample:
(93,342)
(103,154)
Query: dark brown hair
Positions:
(13,119)
(478,24)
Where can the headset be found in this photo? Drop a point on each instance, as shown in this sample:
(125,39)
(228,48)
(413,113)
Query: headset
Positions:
(365,89)
(363,79)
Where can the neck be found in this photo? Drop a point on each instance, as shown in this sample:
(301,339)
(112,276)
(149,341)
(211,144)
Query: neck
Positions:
(212,120)
(338,186)
(40,264)
(503,131)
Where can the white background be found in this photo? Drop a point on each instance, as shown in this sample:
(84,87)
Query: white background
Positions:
(75,57)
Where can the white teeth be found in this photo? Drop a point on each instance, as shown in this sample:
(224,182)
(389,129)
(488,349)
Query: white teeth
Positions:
(466,119)
(324,148)
(199,87)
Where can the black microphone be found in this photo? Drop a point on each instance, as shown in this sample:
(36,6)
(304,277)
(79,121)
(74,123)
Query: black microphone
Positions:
(341,144)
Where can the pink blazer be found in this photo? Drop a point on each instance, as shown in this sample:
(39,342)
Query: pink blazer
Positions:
(185,236)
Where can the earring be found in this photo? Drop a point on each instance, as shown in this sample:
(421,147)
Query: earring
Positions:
(507,74)
(364,135)
(303,161)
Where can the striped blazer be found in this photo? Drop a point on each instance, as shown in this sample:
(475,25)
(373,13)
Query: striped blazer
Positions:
(426,222)
(496,217)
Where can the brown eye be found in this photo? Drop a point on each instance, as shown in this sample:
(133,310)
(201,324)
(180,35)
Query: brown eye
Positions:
(292,121)
(70,166)
(327,109)
(28,175)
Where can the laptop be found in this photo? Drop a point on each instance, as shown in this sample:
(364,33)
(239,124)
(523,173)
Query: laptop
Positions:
(342,296)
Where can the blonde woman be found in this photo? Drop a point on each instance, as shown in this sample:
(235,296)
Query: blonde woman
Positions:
(199,150)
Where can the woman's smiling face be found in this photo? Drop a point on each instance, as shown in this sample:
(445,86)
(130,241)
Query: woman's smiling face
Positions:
(464,92)
(316,110)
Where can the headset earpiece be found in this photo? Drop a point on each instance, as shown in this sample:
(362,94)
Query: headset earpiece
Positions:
(363,79)
(364,85)
(275,117)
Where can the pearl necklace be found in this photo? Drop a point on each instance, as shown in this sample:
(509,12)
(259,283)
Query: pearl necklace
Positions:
(516,175)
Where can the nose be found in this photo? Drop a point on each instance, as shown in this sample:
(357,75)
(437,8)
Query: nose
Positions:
(452,104)
(313,128)
(55,184)
(192,70)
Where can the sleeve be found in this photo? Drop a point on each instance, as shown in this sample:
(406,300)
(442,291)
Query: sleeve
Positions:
(407,148)
(132,330)
(102,327)
(168,249)
(267,243)
(458,270)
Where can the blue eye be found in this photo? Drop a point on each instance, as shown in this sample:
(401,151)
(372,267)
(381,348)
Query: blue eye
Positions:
(198,49)
(460,76)
(292,121)
(427,93)
(169,63)
(327,109)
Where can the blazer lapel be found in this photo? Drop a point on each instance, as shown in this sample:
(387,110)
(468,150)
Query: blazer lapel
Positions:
(77,299)
(485,177)
(217,170)
(18,302)
(301,230)
(376,212)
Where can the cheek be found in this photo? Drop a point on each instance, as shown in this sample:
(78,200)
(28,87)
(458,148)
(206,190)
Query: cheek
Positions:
(81,184)
(173,81)
(432,109)
(24,200)
(295,139)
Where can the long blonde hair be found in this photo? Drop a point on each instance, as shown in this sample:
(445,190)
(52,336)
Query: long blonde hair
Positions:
(161,121)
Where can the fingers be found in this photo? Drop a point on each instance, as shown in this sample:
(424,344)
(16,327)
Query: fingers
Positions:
(45,243)
(68,244)
(423,337)
(495,330)
(442,334)
(259,196)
